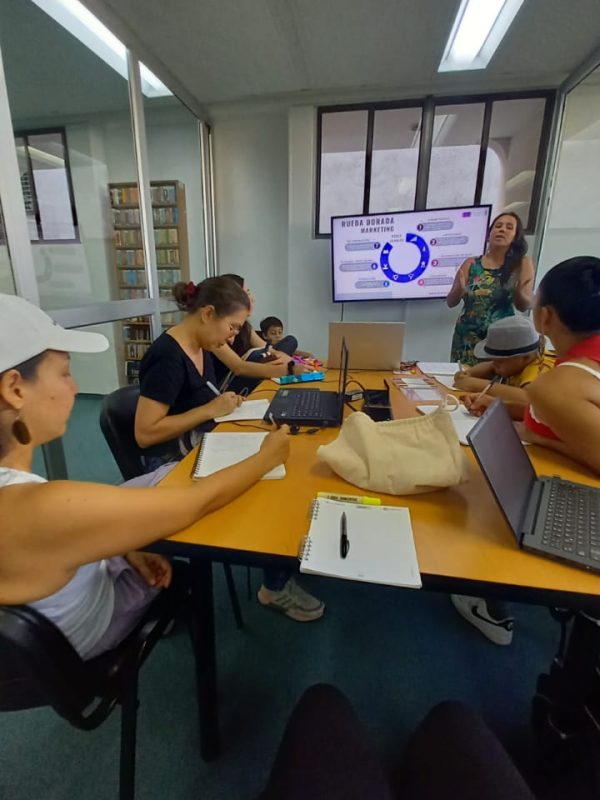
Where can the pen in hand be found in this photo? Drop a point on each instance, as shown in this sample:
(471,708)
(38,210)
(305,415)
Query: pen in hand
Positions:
(494,380)
(213,388)
(344,541)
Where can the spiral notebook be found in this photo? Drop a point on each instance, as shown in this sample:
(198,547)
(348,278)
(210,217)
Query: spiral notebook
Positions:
(220,450)
(380,539)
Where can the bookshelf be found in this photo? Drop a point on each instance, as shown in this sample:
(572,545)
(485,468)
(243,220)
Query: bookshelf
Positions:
(172,258)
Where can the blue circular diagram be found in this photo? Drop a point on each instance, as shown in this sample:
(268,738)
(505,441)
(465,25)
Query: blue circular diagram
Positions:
(406,277)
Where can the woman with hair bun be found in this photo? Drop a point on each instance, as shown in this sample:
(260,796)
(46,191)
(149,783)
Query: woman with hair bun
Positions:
(178,399)
(491,286)
(177,380)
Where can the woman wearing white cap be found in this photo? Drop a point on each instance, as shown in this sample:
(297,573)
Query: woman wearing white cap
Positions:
(61,542)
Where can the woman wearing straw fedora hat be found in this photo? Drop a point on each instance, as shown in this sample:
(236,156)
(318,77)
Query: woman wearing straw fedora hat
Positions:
(512,356)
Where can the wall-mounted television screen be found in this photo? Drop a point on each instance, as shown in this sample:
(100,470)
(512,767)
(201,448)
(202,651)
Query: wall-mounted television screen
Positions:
(409,255)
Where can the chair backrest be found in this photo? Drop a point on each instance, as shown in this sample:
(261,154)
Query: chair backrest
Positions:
(39,666)
(117,418)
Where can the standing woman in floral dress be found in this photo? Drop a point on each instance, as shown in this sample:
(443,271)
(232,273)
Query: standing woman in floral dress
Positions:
(491,286)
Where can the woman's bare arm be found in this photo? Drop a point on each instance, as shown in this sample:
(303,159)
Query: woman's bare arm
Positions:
(250,369)
(52,528)
(563,399)
(154,424)
(523,291)
(459,287)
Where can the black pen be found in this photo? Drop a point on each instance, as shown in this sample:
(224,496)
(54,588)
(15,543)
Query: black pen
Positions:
(344,541)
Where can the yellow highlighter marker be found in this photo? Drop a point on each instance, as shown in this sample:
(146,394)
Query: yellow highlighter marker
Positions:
(351,498)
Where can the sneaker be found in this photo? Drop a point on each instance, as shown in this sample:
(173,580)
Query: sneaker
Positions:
(292,601)
(475,611)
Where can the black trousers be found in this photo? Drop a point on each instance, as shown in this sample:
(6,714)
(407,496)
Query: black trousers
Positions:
(325,754)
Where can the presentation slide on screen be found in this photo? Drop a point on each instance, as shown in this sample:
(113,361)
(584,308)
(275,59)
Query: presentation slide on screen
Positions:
(409,255)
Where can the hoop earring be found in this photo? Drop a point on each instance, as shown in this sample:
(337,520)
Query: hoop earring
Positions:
(21,432)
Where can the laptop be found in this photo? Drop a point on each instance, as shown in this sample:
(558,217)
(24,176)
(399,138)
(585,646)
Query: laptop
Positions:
(549,516)
(373,345)
(312,406)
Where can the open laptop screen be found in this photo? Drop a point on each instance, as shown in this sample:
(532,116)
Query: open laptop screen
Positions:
(342,379)
(504,463)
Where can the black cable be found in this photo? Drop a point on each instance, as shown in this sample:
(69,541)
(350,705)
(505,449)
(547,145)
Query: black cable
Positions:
(358,383)
(250,425)
(342,314)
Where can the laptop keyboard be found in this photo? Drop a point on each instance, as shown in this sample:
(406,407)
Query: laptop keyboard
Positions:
(305,404)
(572,522)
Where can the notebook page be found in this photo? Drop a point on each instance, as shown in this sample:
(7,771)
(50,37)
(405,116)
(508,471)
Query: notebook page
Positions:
(221,450)
(250,409)
(381,550)
(445,380)
(438,367)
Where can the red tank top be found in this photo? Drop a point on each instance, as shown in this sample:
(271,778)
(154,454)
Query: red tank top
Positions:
(588,348)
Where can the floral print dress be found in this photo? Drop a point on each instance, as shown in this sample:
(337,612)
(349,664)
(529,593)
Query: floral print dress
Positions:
(486,301)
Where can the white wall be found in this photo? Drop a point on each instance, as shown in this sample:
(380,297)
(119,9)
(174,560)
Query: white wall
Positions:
(251,201)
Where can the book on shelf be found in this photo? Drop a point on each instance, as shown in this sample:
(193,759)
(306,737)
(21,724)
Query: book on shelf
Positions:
(172,260)
(162,215)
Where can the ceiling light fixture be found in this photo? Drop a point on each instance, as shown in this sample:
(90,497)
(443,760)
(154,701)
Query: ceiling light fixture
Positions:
(476,33)
(81,23)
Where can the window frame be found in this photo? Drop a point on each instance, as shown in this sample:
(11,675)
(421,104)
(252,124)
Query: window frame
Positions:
(428,105)
(25,134)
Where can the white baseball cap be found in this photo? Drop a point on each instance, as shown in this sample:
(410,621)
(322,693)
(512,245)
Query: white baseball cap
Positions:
(26,331)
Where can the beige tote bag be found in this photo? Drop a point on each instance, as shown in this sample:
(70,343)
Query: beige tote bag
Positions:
(403,456)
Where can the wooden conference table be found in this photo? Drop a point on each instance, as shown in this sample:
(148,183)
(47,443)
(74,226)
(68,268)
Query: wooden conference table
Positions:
(463,543)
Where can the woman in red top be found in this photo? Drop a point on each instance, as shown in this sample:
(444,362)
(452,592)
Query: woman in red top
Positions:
(564,411)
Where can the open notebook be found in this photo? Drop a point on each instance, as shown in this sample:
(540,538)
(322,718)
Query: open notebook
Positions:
(220,450)
(381,545)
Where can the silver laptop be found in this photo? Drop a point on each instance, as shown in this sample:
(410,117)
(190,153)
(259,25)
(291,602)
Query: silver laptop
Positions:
(549,516)
(372,345)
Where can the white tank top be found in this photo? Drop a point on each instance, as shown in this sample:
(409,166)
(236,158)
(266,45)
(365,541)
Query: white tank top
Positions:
(83,608)
(590,370)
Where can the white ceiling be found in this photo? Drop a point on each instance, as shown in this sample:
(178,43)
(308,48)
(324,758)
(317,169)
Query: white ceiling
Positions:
(227,50)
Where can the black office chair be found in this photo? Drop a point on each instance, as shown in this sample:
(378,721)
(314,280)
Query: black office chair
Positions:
(117,417)
(39,667)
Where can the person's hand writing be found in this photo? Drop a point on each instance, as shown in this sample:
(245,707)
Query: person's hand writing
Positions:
(276,445)
(154,569)
(224,404)
(476,406)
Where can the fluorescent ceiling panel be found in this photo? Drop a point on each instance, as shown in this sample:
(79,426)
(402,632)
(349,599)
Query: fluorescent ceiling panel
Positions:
(477,31)
(82,24)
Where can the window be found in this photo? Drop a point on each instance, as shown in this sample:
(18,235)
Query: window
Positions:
(455,148)
(342,165)
(512,154)
(479,149)
(396,139)
(46,185)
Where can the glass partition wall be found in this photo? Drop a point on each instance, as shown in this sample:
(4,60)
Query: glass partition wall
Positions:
(108,172)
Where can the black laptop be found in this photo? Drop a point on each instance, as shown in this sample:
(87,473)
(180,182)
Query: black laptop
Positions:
(311,406)
(549,516)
